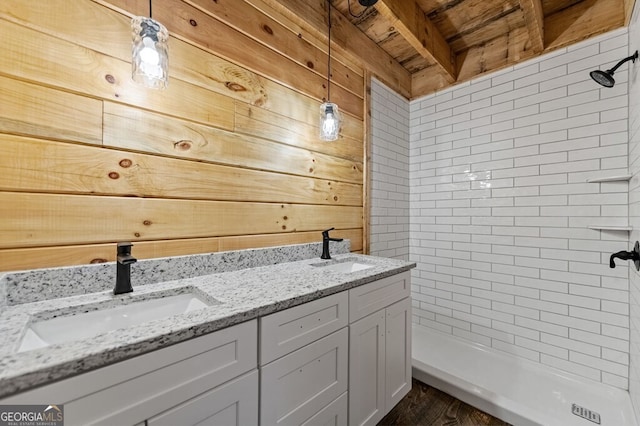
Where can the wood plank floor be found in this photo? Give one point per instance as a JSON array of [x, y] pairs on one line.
[[427, 406]]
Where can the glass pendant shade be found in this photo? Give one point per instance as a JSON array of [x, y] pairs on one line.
[[150, 57], [330, 121]]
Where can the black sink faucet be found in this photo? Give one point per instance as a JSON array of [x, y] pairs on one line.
[[325, 243], [123, 269]]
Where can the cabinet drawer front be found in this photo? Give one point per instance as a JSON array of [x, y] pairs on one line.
[[234, 403], [291, 329], [374, 296], [334, 414], [134, 390], [297, 386]]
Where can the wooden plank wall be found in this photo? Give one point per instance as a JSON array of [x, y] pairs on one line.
[[226, 158]]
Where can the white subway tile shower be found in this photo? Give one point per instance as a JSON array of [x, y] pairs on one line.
[[500, 209]]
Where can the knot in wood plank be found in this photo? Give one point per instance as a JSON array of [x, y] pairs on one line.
[[235, 87], [183, 145]]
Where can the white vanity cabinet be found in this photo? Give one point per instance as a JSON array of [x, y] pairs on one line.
[[343, 359], [211, 378], [316, 370], [380, 348], [304, 364]]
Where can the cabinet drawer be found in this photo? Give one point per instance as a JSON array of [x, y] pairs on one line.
[[234, 403], [134, 390], [291, 329], [297, 386], [334, 414], [371, 297]]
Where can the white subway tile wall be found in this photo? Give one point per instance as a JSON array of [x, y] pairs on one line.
[[634, 210], [389, 174], [500, 210]]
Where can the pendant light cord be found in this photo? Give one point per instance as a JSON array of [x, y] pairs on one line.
[[150, 10], [329, 60]]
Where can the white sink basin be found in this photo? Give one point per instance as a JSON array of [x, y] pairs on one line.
[[345, 267], [88, 324]]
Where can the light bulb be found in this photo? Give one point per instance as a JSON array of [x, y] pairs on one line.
[[329, 125], [149, 55], [329, 121]]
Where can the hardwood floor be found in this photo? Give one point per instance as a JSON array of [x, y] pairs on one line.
[[427, 406]]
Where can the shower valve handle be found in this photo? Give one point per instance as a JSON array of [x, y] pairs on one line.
[[627, 255]]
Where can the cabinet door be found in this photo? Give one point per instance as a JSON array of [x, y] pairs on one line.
[[297, 386], [234, 403], [367, 370], [398, 352]]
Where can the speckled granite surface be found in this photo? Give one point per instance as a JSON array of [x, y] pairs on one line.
[[45, 284], [236, 296]]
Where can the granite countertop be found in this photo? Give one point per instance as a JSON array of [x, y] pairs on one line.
[[235, 296]]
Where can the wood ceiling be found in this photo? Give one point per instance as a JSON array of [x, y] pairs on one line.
[[443, 42]]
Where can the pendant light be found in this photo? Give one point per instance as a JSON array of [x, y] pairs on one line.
[[330, 119], [150, 58], [364, 3]]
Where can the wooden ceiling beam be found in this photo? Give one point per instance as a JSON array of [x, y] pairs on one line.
[[582, 21], [534, 18], [412, 23], [311, 16]]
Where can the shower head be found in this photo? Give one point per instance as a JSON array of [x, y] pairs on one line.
[[605, 78]]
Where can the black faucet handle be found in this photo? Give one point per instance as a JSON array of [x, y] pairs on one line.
[[325, 233], [627, 255], [124, 248]]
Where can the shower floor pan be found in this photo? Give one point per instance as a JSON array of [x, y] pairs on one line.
[[513, 389]]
